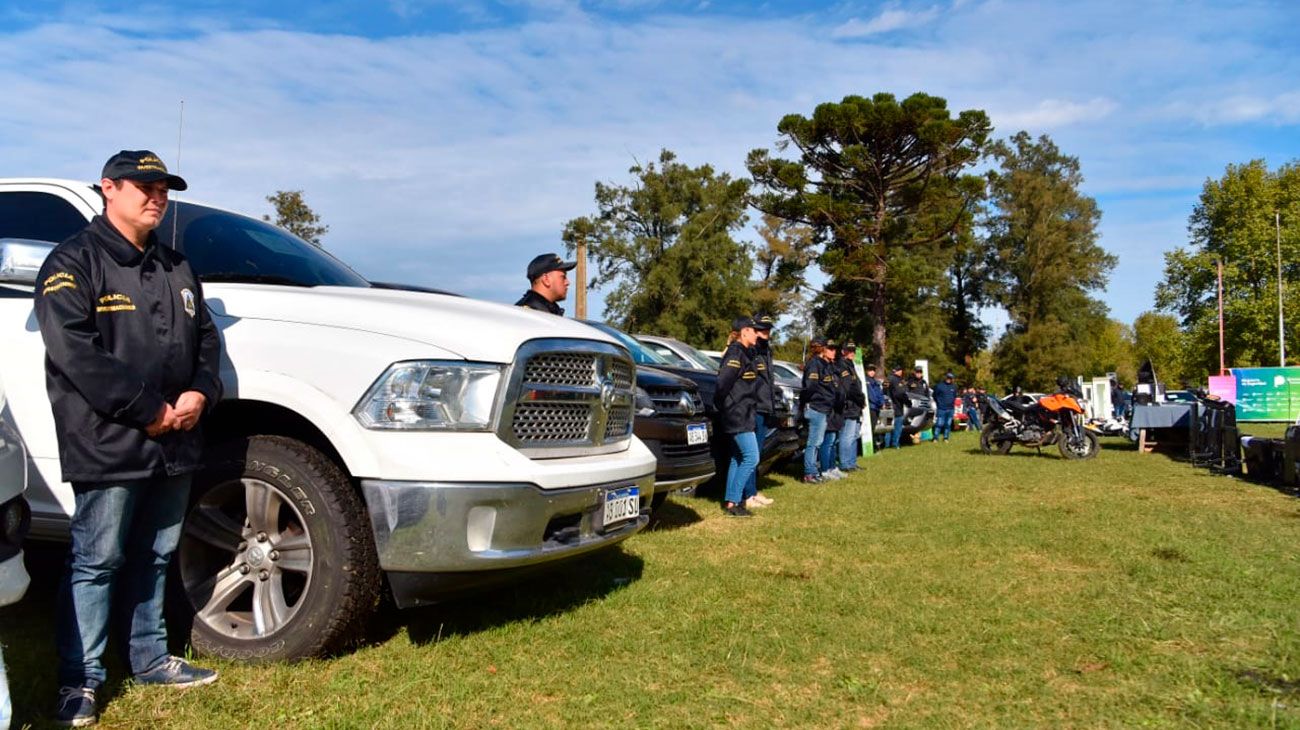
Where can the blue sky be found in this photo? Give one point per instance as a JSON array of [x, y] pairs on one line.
[[446, 143]]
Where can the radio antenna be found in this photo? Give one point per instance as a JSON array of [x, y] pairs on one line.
[[180, 128]]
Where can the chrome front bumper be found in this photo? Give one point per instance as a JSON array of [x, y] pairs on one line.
[[433, 537]]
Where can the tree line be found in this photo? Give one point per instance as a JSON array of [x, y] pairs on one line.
[[917, 217]]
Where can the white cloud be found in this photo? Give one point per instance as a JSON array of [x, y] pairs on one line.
[[451, 159], [1051, 114], [888, 20]]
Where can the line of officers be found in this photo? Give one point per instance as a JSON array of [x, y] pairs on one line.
[[832, 400]]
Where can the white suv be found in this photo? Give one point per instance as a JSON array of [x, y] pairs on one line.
[[14, 519], [365, 433]]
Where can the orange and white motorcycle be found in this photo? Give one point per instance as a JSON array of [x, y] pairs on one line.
[[1053, 419]]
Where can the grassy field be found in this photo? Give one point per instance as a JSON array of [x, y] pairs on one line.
[[937, 587]]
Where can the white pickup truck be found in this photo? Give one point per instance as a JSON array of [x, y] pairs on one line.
[[366, 435]]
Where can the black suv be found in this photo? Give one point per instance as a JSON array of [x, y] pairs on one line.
[[783, 435]]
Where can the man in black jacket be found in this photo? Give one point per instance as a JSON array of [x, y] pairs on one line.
[[855, 399], [818, 399], [898, 395], [548, 279], [131, 361]]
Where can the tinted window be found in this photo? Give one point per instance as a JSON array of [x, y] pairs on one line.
[[38, 216], [223, 246], [640, 354]]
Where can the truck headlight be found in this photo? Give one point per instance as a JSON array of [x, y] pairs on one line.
[[432, 395], [644, 406]]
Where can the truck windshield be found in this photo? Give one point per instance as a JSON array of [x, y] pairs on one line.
[[224, 246], [640, 353]]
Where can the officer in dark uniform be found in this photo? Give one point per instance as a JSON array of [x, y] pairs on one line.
[[835, 420], [131, 366], [897, 392], [855, 399], [548, 276], [766, 393], [818, 400], [736, 400]]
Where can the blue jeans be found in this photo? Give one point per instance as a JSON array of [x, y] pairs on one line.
[[942, 424], [123, 537], [744, 460], [816, 434], [827, 455], [849, 444], [760, 436], [895, 438], [973, 419]]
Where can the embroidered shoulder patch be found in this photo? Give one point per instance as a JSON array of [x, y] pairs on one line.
[[57, 281]]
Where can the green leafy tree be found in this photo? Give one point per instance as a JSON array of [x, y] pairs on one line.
[[1044, 262], [875, 179], [294, 215], [1158, 338], [783, 258], [664, 245], [1234, 222]]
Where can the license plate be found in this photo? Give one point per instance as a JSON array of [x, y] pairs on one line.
[[621, 505], [697, 433]]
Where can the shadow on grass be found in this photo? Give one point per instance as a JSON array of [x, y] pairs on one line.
[[550, 592], [673, 515], [27, 634]]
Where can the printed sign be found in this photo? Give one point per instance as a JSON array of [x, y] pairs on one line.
[[1267, 394]]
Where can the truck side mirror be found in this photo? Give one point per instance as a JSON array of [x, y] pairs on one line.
[[21, 259]]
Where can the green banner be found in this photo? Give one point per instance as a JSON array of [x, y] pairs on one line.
[[1267, 394]]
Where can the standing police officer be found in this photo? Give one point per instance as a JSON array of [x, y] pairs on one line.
[[548, 276], [130, 365], [855, 399], [766, 394], [818, 400]]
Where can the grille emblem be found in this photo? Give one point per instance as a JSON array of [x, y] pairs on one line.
[[687, 405], [607, 392]]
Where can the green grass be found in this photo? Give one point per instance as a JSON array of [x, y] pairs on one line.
[[938, 587]]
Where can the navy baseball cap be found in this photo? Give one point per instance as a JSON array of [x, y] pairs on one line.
[[141, 166], [740, 323], [763, 321], [546, 263]]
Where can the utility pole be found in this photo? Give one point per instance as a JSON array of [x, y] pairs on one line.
[[1281, 329], [580, 297], [1222, 369]]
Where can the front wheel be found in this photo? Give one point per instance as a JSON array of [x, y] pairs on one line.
[[1083, 446], [275, 561], [989, 443]]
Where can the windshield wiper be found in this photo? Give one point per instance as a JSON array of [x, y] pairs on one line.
[[238, 277]]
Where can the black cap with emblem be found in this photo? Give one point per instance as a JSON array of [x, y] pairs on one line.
[[141, 166], [546, 263]]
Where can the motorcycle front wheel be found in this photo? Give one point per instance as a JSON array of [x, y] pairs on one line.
[[989, 443], [1085, 446]]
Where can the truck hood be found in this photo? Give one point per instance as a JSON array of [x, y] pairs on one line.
[[471, 328]]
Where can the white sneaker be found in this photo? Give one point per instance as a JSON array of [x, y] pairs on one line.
[[753, 503], [833, 473]]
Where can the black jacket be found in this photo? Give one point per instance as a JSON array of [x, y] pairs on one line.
[[766, 389], [855, 399], [533, 300], [736, 397], [898, 394], [124, 331], [819, 388]]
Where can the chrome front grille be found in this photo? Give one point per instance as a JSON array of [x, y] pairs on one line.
[[552, 422], [675, 401], [561, 368], [569, 398]]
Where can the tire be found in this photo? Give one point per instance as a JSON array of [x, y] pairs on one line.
[[988, 445], [1087, 450], [296, 578]]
